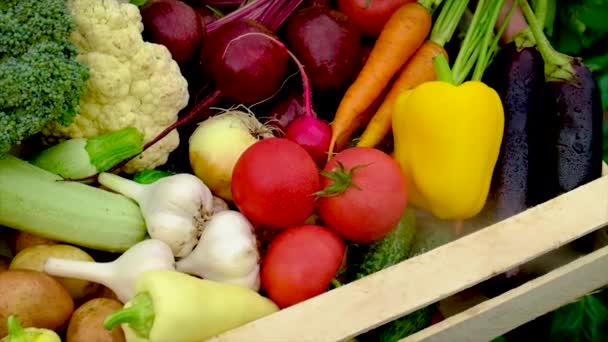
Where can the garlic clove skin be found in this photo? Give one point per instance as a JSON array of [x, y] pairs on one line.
[[226, 251], [150, 254], [219, 204]]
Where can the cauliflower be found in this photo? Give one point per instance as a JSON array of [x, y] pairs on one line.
[[132, 83]]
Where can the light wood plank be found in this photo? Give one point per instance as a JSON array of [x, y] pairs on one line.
[[391, 293], [501, 314]]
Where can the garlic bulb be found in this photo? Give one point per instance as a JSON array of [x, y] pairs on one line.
[[226, 252], [174, 207]]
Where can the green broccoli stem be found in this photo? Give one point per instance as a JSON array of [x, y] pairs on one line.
[[79, 157], [447, 21], [138, 313], [558, 66]]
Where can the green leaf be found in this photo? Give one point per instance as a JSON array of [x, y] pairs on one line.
[[583, 320]]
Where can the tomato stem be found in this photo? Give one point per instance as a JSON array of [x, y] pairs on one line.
[[342, 180]]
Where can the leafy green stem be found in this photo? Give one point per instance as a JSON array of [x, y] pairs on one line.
[[447, 21]]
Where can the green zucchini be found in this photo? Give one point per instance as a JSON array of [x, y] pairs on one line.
[[39, 202]]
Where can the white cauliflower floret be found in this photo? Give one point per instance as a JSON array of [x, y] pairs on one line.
[[133, 83]]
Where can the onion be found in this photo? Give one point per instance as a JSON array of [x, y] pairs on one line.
[[218, 142]]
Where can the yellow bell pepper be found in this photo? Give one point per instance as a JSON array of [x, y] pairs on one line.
[[447, 139], [447, 134]]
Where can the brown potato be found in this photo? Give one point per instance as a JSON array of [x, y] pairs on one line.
[[86, 324], [34, 257], [24, 240], [36, 298], [106, 292]]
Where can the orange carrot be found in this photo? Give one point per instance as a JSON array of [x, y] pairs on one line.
[[401, 36], [417, 70]]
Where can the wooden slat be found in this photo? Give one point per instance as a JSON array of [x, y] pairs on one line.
[[391, 293], [501, 314]]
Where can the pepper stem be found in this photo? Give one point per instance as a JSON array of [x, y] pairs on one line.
[[442, 69], [558, 66], [15, 330], [107, 150], [138, 314]]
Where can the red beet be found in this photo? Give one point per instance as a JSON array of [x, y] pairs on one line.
[[328, 44], [246, 68], [175, 25]]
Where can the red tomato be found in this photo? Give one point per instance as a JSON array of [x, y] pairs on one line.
[[370, 15], [274, 182], [300, 264], [374, 201]]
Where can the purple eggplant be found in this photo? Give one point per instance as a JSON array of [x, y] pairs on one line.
[[525, 174], [573, 97]]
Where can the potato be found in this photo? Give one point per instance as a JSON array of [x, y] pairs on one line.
[[34, 257], [86, 324], [36, 298], [24, 240], [106, 292]]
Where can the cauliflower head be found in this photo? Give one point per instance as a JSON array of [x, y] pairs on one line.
[[132, 83]]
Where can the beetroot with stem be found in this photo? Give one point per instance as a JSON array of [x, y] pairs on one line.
[[308, 131]]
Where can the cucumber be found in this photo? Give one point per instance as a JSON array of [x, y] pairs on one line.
[[390, 250], [403, 242]]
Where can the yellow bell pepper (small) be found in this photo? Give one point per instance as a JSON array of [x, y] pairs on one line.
[[16, 333], [171, 306], [447, 140]]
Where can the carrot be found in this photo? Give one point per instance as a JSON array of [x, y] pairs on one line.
[[401, 36], [417, 70]]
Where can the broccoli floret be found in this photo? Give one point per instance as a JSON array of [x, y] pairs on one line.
[[40, 79]]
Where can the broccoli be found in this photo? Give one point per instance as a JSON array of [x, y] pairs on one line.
[[40, 78]]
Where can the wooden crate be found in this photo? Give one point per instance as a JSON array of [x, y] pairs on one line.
[[447, 271]]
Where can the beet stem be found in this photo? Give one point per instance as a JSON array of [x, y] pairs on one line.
[[195, 113], [305, 80]]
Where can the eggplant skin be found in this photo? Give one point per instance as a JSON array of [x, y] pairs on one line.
[[525, 173], [579, 143]]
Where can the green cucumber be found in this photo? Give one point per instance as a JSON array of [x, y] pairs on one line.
[[390, 250], [403, 242]]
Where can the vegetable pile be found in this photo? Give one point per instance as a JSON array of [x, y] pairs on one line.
[[173, 169]]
